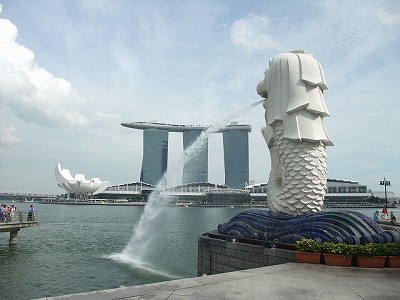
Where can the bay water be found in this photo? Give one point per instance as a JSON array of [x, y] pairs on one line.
[[73, 248]]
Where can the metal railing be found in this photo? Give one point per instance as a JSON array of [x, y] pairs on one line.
[[17, 217]]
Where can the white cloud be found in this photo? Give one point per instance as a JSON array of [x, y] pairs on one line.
[[8, 136], [390, 18], [106, 118], [251, 32], [127, 64], [31, 92], [18, 56], [75, 118]]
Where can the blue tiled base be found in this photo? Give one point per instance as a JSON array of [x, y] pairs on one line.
[[338, 226]]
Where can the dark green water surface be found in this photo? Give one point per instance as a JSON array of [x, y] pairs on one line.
[[68, 251]]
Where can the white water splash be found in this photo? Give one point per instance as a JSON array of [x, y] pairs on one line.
[[138, 263], [134, 252]]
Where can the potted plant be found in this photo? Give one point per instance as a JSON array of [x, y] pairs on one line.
[[337, 254], [370, 255], [308, 251], [393, 255]]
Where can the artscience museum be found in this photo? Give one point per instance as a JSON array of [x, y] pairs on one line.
[[79, 185]]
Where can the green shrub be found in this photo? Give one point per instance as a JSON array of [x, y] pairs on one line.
[[308, 245], [338, 248], [371, 249], [393, 249]]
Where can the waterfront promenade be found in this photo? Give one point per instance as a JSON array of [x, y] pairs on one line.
[[291, 281]]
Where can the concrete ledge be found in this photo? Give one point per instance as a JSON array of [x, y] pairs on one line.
[[15, 226], [219, 256]]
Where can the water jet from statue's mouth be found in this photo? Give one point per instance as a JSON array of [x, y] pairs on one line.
[[137, 250]]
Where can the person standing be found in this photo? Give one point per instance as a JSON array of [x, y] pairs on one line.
[[31, 213], [12, 211], [384, 215], [392, 218], [2, 213], [376, 216]]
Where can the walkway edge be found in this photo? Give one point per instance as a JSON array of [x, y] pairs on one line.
[[289, 281]]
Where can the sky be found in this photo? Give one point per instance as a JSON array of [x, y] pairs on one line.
[[72, 71]]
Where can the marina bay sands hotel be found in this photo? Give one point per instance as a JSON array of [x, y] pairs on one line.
[[155, 152]]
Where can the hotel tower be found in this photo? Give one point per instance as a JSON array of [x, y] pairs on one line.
[[155, 152]]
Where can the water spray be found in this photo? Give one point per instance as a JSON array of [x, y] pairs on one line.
[[134, 252]]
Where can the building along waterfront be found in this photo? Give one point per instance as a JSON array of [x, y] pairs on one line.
[[341, 193]]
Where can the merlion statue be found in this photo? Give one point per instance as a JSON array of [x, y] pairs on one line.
[[295, 133], [296, 137]]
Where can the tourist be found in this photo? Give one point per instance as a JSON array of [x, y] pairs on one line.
[[8, 215], [392, 218], [13, 210], [384, 215], [2, 213], [376, 216], [31, 213]]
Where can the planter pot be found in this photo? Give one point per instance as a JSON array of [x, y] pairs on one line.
[[393, 261], [308, 257], [337, 260], [371, 261]]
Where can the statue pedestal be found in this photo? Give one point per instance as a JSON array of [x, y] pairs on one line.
[[219, 254], [350, 227]]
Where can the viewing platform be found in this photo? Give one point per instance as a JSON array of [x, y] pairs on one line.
[[14, 224]]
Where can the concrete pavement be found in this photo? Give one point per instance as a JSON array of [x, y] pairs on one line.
[[291, 281]]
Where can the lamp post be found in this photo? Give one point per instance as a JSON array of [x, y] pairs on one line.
[[385, 183]]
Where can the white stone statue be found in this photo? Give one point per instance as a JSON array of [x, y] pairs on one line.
[[295, 133]]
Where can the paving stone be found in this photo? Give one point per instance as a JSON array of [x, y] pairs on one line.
[[177, 284], [124, 292], [97, 295]]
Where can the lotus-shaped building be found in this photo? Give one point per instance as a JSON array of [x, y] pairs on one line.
[[78, 185]]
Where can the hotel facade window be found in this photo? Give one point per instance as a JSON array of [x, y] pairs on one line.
[[236, 158], [155, 155]]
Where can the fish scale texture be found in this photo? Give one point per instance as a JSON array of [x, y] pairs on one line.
[[298, 185]]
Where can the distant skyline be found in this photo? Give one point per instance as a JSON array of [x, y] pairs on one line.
[[72, 71]]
